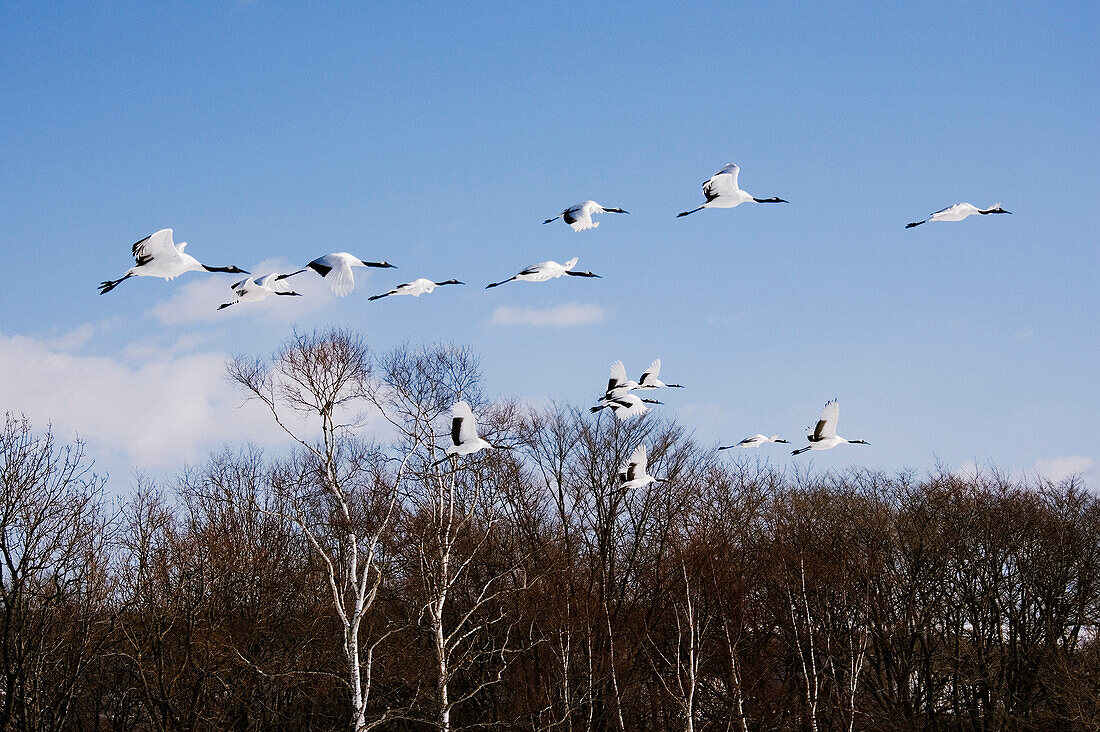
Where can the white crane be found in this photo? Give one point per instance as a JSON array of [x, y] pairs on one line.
[[617, 384], [625, 406], [958, 212], [336, 269], [256, 289], [754, 441], [721, 191], [464, 437], [823, 435], [580, 216], [416, 288], [649, 379], [545, 271], [157, 256], [633, 475]]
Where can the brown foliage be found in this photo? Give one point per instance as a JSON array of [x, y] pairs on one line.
[[523, 588]]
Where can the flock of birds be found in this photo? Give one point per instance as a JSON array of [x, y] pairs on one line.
[[157, 255]]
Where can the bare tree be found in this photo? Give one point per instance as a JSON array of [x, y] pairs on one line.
[[341, 493], [55, 580], [459, 534]]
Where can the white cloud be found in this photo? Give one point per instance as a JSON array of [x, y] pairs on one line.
[[1025, 333], [73, 340], [968, 470], [1064, 466], [559, 316], [157, 412], [148, 349]]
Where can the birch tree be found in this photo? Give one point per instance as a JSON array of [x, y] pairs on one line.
[[457, 536], [343, 491]]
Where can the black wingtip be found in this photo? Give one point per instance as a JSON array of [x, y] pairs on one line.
[[915, 223]]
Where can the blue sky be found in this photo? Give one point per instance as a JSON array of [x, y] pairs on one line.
[[439, 136]]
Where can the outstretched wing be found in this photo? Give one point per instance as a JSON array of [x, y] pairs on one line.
[[722, 183], [826, 426], [651, 373], [628, 406], [618, 375], [533, 269], [638, 462], [463, 424], [337, 272], [155, 246]]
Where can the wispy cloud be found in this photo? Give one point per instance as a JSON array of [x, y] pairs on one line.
[[1054, 469], [72, 340], [968, 470], [197, 300], [560, 316], [1064, 466], [156, 412], [1025, 333]]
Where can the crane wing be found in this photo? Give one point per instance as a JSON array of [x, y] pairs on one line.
[[463, 424], [155, 246], [532, 269], [722, 183], [826, 426], [337, 272], [638, 462], [618, 375], [651, 373], [573, 213], [628, 406]]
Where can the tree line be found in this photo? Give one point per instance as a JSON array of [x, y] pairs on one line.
[[363, 580]]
